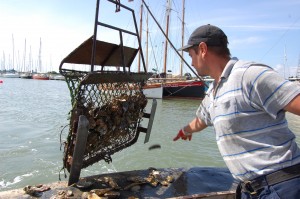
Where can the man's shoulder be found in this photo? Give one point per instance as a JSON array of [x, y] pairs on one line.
[[247, 64]]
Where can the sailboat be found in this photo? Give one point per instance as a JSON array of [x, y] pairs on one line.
[[40, 76], [25, 74], [166, 85], [297, 77], [12, 73]]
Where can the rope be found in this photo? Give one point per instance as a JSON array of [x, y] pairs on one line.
[[176, 91]]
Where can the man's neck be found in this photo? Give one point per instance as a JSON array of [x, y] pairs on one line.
[[218, 69]]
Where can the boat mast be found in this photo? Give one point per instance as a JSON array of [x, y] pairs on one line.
[[168, 11], [298, 70], [147, 44], [18, 62], [174, 48], [24, 59], [13, 55], [285, 61], [40, 54], [3, 61], [182, 36], [141, 25], [30, 61]]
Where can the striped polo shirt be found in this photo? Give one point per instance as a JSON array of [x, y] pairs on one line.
[[246, 111]]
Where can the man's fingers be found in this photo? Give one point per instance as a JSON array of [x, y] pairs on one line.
[[182, 136], [176, 138]]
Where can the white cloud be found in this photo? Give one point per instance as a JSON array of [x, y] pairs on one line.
[[252, 40]]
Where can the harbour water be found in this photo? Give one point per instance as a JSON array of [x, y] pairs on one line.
[[33, 114]]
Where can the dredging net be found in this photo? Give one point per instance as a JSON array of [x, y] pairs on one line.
[[113, 103]]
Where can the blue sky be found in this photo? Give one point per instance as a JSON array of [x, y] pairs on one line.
[[264, 31]]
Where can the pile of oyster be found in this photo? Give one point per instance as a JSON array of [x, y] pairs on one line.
[[111, 125], [113, 190], [114, 121], [120, 113]]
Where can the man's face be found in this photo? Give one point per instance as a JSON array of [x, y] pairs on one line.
[[196, 53]]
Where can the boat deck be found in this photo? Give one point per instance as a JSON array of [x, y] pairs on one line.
[[196, 182]]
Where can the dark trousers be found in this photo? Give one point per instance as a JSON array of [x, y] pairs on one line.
[[284, 190]]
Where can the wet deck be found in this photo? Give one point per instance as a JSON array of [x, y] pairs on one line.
[[197, 182]]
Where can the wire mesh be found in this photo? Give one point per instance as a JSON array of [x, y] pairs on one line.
[[113, 103]]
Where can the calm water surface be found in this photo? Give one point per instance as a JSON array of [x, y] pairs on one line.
[[34, 112]]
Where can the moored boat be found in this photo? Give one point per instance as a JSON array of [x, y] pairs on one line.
[[26, 76], [153, 90], [11, 75], [40, 76], [184, 89], [167, 87], [56, 77], [181, 86]]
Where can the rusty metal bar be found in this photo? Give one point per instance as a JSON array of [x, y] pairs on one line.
[[81, 139], [136, 29], [116, 28], [151, 119], [95, 36], [122, 51]]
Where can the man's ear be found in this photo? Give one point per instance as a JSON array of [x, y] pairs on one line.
[[202, 48]]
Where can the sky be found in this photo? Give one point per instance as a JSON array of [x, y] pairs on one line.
[[264, 31]]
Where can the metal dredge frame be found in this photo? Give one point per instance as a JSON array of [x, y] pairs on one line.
[[112, 101]]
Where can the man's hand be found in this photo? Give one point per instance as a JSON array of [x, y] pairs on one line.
[[183, 135]]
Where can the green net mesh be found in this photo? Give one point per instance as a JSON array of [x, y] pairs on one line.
[[113, 103]]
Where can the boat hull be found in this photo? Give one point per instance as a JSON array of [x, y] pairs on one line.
[[26, 76], [11, 75], [40, 77], [57, 77], [181, 89], [187, 89], [153, 91]]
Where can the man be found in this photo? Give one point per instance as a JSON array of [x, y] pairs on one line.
[[246, 105]]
